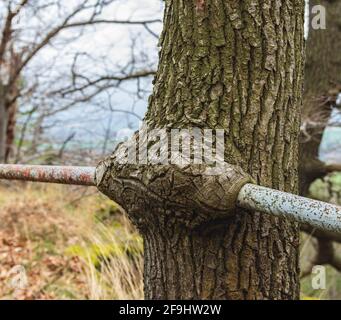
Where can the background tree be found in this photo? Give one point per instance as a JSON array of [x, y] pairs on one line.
[[236, 66], [322, 86]]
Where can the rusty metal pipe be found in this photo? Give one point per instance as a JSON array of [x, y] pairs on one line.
[[317, 214], [83, 176]]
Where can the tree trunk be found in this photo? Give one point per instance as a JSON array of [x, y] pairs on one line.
[[322, 83], [7, 128], [10, 132], [237, 66], [3, 127]]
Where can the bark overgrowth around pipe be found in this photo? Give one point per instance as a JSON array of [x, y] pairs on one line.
[[172, 195]]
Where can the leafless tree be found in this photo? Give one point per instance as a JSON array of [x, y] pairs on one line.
[[27, 28]]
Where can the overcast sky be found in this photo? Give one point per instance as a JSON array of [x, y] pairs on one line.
[[113, 42]]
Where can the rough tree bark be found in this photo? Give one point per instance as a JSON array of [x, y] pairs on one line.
[[238, 66]]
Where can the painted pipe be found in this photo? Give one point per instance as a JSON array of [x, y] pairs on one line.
[[320, 215], [83, 176]]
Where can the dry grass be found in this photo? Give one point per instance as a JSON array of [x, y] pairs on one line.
[[72, 242]]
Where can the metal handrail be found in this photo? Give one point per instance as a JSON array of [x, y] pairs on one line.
[[315, 213], [50, 174]]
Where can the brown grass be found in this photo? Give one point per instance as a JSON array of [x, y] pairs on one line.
[[72, 242]]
